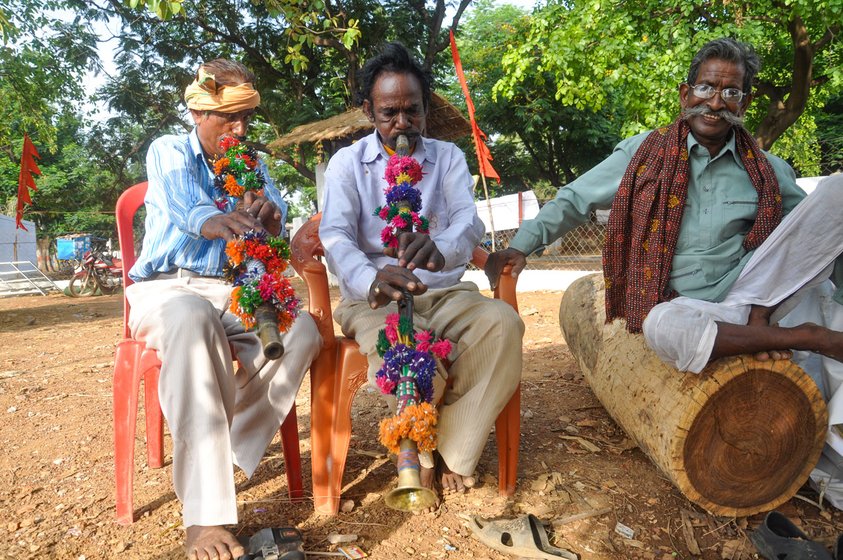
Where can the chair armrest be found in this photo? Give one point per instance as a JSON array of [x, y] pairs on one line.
[[505, 289]]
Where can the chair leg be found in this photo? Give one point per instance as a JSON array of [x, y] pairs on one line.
[[154, 418], [126, 384], [321, 421], [350, 381], [292, 455], [508, 431]]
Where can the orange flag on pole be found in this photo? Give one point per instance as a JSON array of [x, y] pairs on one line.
[[484, 156], [26, 181]]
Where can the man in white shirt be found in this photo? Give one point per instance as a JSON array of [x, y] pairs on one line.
[[486, 356]]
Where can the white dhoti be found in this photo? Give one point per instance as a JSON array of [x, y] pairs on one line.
[[486, 361], [216, 415], [790, 269], [798, 256]]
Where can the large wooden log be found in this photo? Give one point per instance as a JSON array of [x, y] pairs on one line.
[[737, 439]]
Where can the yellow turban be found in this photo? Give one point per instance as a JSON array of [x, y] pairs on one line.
[[205, 95]]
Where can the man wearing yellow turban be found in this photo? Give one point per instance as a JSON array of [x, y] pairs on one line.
[[179, 307]]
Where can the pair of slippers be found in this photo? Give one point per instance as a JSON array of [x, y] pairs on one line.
[[779, 539], [524, 536], [276, 543]]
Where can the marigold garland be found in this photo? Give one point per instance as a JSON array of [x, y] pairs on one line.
[[403, 200], [417, 422], [237, 171], [257, 260], [407, 372]]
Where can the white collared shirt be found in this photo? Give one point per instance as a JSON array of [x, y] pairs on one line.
[[351, 233]]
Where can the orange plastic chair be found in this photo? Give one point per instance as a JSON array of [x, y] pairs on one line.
[[340, 370], [133, 361]]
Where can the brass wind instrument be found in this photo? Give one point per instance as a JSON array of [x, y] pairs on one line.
[[409, 495], [266, 325]]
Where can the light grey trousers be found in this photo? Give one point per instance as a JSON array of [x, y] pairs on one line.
[[486, 361], [216, 415]]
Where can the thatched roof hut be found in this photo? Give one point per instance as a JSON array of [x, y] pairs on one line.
[[444, 122]]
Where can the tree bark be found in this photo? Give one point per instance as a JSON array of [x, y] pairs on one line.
[[737, 439], [781, 112], [45, 260]]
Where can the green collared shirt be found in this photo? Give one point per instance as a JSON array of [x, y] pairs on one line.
[[720, 210]]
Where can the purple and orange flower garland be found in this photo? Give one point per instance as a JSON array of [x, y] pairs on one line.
[[407, 372], [408, 357], [403, 200], [257, 260]]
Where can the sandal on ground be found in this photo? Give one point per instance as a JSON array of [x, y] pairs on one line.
[[281, 543], [524, 536], [779, 539]]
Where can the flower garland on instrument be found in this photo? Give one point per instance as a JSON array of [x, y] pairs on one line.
[[408, 356], [236, 171], [403, 200], [257, 260], [407, 372]]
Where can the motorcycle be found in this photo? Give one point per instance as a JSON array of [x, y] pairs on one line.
[[97, 271]]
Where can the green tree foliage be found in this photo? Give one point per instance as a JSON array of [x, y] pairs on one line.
[[42, 61], [305, 54], [597, 51], [830, 134], [75, 193], [536, 138]]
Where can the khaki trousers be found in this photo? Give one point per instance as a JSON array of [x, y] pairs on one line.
[[486, 361], [216, 415]]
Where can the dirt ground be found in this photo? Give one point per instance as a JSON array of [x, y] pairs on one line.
[[577, 469]]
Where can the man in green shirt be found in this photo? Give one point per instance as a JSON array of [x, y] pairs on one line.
[[693, 204]]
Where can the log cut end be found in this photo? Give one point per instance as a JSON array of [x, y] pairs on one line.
[[737, 439], [754, 440]]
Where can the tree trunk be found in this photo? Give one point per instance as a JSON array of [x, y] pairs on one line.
[[737, 439], [45, 260], [781, 112]]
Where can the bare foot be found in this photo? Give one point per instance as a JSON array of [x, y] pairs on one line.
[[427, 478], [451, 481], [209, 543]]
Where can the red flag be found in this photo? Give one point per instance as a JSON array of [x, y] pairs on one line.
[[25, 180], [484, 156]]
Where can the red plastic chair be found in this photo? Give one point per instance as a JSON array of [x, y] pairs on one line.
[[340, 370], [133, 361]]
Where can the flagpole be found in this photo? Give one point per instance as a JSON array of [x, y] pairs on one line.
[[483, 156], [489, 206]]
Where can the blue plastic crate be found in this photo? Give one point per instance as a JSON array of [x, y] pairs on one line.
[[73, 247]]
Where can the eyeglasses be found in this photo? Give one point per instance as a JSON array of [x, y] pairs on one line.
[[729, 95], [245, 115]]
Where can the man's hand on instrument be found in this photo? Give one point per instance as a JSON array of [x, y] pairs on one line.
[[497, 261], [228, 226], [417, 250], [389, 282], [264, 210]]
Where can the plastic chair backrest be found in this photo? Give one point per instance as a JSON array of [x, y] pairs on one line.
[[127, 206]]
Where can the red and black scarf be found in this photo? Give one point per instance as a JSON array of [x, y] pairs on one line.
[[647, 211]]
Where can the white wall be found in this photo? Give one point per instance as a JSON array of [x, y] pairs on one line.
[[17, 244]]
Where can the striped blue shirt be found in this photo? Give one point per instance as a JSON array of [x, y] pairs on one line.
[[180, 198]]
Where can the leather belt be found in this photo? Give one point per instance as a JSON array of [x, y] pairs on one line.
[[179, 273]]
